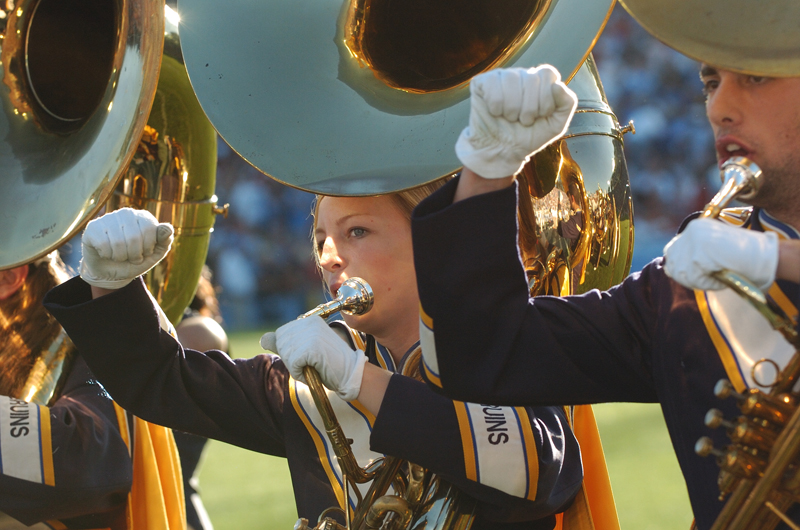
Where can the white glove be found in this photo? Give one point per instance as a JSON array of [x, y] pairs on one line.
[[311, 342], [707, 246], [122, 245], [515, 112]]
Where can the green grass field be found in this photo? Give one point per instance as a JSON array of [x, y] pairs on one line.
[[243, 490]]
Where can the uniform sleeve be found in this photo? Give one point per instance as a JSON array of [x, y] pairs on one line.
[[519, 463], [64, 461], [485, 340], [237, 401]]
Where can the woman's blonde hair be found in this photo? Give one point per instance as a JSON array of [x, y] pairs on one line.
[[405, 201]]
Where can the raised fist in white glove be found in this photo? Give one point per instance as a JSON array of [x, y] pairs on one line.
[[122, 245], [311, 342], [707, 246], [515, 112]]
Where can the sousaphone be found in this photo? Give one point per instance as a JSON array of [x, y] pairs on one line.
[[77, 79], [362, 97], [756, 38]]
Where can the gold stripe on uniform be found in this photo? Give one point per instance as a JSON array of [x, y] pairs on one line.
[[318, 443], [725, 353], [783, 301], [433, 378], [47, 446], [428, 321], [466, 440], [530, 451], [363, 410]]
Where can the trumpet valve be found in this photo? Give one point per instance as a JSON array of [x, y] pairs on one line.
[[745, 464], [734, 460], [724, 389], [751, 434], [775, 409], [714, 419], [705, 446]]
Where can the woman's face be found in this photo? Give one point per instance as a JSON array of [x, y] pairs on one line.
[[369, 238]]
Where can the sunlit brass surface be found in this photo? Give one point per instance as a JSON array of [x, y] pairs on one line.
[[422, 502], [77, 79], [36, 354], [364, 97], [173, 175], [758, 38], [759, 469], [580, 200], [44, 378]]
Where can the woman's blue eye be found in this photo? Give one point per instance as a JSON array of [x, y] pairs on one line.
[[357, 232]]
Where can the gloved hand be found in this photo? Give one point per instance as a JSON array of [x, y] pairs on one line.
[[122, 245], [707, 246], [311, 342], [515, 112]]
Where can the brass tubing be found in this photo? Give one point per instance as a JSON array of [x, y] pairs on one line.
[[785, 451], [378, 488], [732, 505], [388, 503], [340, 443], [789, 374], [782, 516]]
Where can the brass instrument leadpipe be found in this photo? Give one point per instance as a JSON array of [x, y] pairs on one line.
[[354, 297]]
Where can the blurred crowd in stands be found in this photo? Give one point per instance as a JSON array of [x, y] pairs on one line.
[[671, 160], [261, 254]]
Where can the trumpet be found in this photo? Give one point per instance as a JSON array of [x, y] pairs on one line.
[[759, 470], [423, 501]]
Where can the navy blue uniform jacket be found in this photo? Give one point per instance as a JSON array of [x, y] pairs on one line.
[[253, 403], [641, 341], [66, 462]]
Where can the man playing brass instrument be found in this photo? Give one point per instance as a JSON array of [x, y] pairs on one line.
[[649, 339]]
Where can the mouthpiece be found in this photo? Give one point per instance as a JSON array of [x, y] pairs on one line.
[[355, 297], [741, 179]]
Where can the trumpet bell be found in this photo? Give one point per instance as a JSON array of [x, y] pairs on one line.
[[739, 35], [365, 97], [77, 79]]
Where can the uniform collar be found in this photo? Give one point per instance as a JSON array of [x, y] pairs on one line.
[[767, 223], [385, 357]]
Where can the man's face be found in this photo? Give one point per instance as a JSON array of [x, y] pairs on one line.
[[757, 117]]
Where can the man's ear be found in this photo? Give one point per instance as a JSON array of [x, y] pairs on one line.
[[11, 280]]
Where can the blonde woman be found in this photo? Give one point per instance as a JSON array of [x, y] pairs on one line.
[[521, 465]]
